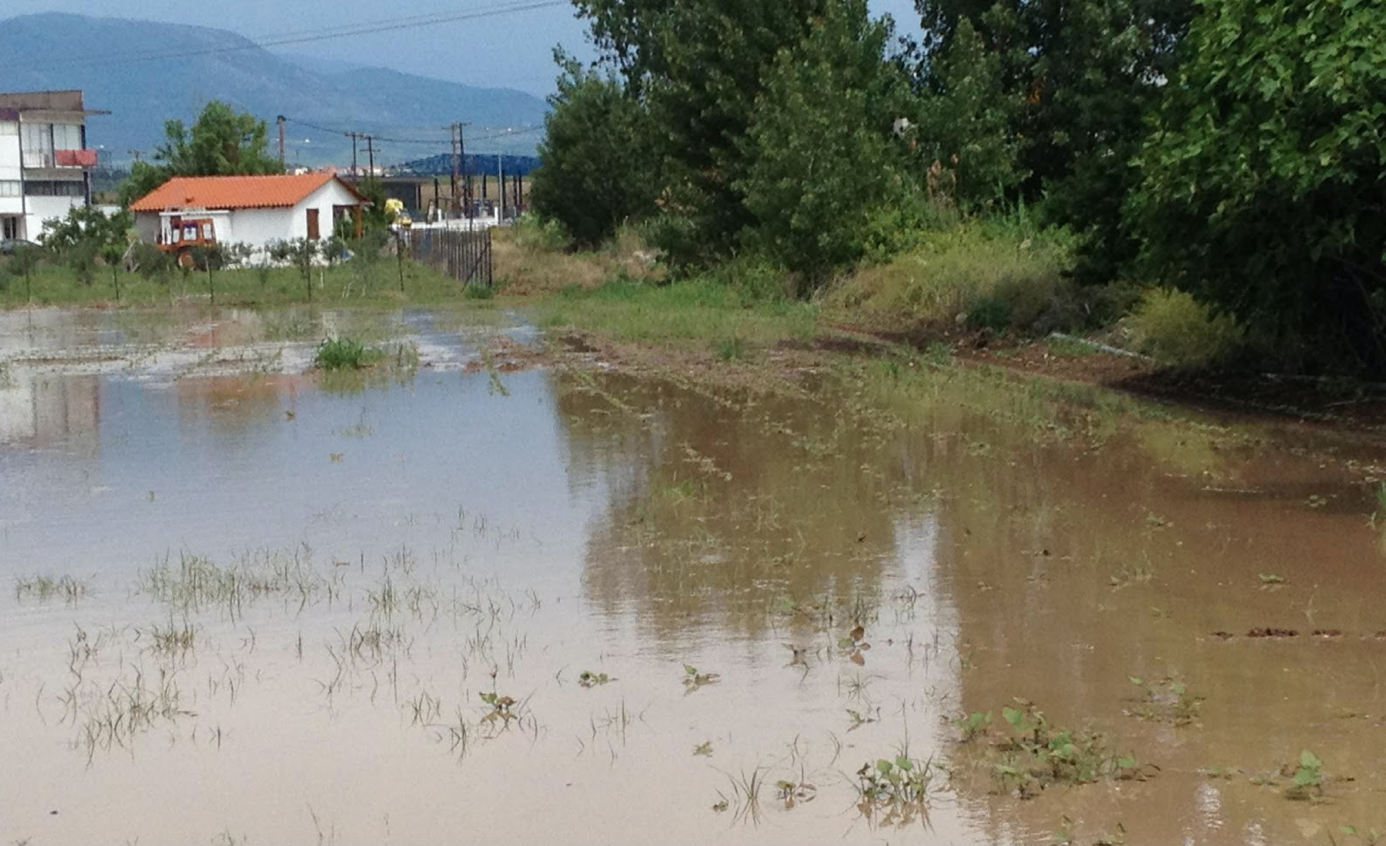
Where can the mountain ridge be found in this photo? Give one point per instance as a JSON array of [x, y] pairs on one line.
[[162, 71]]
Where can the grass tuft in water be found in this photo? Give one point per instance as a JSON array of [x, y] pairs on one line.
[[44, 588], [346, 354]]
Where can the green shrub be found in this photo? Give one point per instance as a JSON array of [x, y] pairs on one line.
[[531, 231], [1178, 330], [346, 354], [477, 291], [149, 261]]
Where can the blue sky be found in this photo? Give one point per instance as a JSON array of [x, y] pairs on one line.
[[511, 50]]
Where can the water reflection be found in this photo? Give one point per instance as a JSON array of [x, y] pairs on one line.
[[453, 537]]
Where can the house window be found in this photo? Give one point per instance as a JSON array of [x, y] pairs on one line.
[[8, 129], [9, 187], [54, 188], [9, 228]]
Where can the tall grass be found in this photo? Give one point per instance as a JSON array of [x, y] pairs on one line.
[[993, 273]]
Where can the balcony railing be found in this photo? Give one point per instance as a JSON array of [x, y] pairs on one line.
[[60, 159]]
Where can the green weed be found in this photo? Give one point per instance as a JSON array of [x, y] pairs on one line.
[[894, 791], [346, 354], [694, 680]]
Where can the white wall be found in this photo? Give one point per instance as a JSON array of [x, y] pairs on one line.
[[9, 166], [44, 208], [261, 227]]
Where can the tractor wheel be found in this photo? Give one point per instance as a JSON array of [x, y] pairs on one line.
[[185, 259]]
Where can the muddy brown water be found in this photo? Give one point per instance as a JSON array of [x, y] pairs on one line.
[[293, 598]]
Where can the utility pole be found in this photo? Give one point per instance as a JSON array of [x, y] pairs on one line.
[[466, 171], [355, 171], [136, 153], [455, 136], [370, 152], [500, 186], [280, 120]]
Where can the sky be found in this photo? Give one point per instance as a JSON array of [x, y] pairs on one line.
[[509, 50]]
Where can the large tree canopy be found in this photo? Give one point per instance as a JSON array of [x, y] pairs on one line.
[[222, 142], [1263, 185]]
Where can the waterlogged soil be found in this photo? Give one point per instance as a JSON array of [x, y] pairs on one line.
[[495, 591]]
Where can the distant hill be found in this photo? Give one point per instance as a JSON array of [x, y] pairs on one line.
[[101, 56]]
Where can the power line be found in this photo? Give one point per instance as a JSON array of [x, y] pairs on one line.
[[344, 31], [345, 133]]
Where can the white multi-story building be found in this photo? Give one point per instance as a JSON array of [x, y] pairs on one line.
[[45, 166]]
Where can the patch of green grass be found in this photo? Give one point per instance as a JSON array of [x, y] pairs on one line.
[[694, 310], [346, 354]]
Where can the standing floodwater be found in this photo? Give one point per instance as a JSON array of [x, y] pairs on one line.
[[453, 601]]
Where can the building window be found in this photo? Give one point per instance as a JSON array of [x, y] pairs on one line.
[[67, 136], [54, 188], [9, 187], [36, 144], [8, 128]]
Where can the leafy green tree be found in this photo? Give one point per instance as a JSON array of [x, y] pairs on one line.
[[698, 68], [820, 153], [1085, 75], [221, 142], [1262, 181], [595, 163], [966, 136]]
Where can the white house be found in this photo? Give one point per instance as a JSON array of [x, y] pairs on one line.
[[253, 210], [45, 166]]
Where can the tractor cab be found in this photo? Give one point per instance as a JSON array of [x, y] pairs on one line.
[[180, 234]]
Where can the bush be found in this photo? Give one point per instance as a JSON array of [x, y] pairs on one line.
[[533, 232], [149, 261], [1179, 331]]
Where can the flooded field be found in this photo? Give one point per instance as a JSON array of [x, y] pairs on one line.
[[458, 601]]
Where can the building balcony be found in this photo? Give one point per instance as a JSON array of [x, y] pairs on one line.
[[60, 160]]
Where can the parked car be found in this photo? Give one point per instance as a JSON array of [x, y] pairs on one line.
[[9, 245]]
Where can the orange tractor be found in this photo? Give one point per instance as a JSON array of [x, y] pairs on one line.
[[182, 234]]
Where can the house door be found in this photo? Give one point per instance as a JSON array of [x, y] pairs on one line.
[[9, 228], [313, 232]]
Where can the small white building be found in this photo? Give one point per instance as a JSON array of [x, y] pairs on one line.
[[45, 166], [253, 210]]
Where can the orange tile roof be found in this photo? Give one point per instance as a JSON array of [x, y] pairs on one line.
[[234, 192]]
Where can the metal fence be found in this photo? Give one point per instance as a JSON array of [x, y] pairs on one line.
[[463, 255]]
